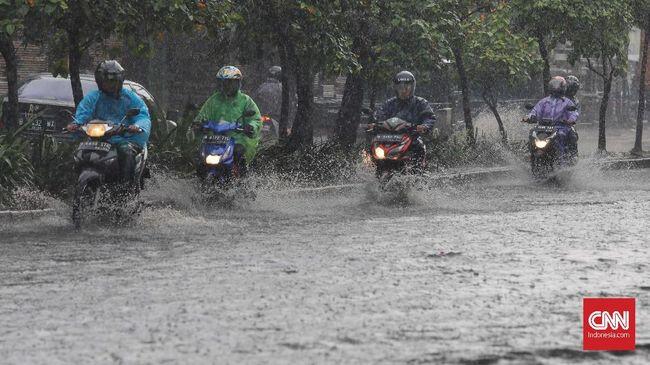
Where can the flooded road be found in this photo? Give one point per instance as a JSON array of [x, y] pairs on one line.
[[483, 272]]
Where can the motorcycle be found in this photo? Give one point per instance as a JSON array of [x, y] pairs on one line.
[[100, 176], [269, 134], [390, 148], [216, 161], [543, 147]]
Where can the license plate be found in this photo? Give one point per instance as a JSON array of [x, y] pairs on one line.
[[217, 139], [545, 128], [39, 124], [388, 138], [95, 146]]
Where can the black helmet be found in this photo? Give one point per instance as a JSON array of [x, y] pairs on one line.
[[109, 77], [572, 86], [404, 85], [557, 86]]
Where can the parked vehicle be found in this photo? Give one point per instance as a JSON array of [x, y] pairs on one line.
[[48, 102]]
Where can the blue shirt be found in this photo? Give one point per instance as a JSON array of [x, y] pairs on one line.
[[99, 105]]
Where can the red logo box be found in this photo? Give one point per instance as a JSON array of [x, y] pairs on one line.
[[608, 324]]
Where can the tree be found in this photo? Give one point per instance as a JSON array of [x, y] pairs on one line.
[[600, 35], [358, 16], [641, 11], [381, 48], [17, 17], [74, 29], [498, 58], [454, 19], [309, 38], [545, 21]]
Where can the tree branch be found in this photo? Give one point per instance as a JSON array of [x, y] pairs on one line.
[[478, 9], [593, 69]]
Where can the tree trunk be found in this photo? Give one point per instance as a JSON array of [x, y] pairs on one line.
[[493, 105], [607, 88], [464, 87], [349, 115], [302, 131], [638, 146], [74, 60], [285, 79], [11, 69], [543, 52], [372, 96]]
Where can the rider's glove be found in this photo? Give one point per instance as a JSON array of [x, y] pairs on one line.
[[422, 129], [133, 129], [248, 130], [72, 127], [525, 119]]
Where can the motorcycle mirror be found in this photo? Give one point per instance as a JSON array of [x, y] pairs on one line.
[[132, 112], [528, 106], [366, 111], [249, 113], [171, 125]]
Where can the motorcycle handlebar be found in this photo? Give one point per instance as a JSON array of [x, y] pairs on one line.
[[121, 130], [372, 127]]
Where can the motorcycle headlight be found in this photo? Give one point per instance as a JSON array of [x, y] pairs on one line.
[[96, 130], [213, 159], [541, 143], [379, 153]]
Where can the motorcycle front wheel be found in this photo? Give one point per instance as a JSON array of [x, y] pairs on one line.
[[86, 198]]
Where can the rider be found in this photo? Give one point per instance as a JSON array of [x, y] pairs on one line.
[[269, 100], [555, 107], [573, 85], [413, 109], [110, 103], [228, 104]]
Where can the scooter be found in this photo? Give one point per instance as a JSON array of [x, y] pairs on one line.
[[390, 148], [96, 162], [543, 146], [216, 163]]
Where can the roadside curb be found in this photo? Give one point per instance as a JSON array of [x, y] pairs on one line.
[[16, 214], [625, 164]]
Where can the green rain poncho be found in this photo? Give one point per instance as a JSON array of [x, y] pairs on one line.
[[219, 108]]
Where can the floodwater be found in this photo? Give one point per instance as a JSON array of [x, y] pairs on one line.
[[486, 272]]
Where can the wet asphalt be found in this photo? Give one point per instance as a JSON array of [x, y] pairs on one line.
[[486, 272]]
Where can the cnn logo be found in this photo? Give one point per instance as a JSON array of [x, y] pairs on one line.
[[608, 324], [600, 320]]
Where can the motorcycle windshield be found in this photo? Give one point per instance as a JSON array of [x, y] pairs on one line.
[[221, 127]]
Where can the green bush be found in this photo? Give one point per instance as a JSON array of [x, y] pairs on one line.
[[175, 150], [54, 167], [487, 151], [323, 162], [15, 167]]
